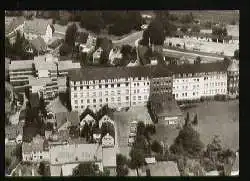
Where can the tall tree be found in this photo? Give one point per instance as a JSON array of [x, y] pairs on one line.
[[137, 159], [86, 169], [237, 54], [70, 36], [187, 143], [156, 147], [195, 121], [121, 165]]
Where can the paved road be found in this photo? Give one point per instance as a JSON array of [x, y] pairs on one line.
[[130, 39]]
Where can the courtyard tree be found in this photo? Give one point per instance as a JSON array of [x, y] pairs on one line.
[[137, 159], [187, 143], [121, 165], [237, 54], [86, 169], [140, 128], [195, 121], [156, 147]]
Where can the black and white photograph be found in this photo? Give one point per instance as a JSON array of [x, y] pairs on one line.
[[121, 93]]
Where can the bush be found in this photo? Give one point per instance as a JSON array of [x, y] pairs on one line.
[[65, 50]]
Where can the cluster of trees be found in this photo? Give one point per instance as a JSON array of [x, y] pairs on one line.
[[121, 165], [18, 49], [219, 31]]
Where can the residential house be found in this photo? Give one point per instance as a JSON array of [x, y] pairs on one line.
[[108, 141], [88, 119], [97, 55], [17, 24], [62, 155], [14, 133], [164, 168], [105, 119], [167, 111], [38, 27], [115, 56], [35, 151], [109, 159]]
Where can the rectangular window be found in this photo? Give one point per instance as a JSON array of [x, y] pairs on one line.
[[147, 83], [75, 88], [112, 99], [100, 93], [119, 99], [76, 107], [134, 97], [185, 94], [107, 99], [134, 91], [112, 92], [75, 95], [81, 87], [118, 85], [106, 93], [134, 84], [100, 100], [81, 94], [100, 86], [127, 98], [106, 85], [138, 91], [138, 84], [88, 101], [126, 84], [81, 101], [139, 98], [94, 94], [87, 87], [112, 85], [76, 101], [118, 92], [127, 91], [81, 107], [134, 103], [193, 93], [94, 100]]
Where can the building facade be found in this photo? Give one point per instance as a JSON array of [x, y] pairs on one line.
[[117, 87], [192, 82]]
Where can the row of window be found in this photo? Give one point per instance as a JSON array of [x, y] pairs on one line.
[[166, 89], [100, 105], [212, 84], [101, 100]]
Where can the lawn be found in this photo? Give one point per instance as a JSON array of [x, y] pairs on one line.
[[215, 118]]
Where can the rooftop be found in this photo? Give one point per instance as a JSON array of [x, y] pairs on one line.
[[61, 118], [165, 168], [73, 153], [37, 26], [73, 117], [45, 65], [109, 157], [198, 68], [33, 81], [20, 64], [34, 146], [68, 64], [164, 106]]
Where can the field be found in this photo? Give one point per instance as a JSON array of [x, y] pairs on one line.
[[226, 16], [215, 118]]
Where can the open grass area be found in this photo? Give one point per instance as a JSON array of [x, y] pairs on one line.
[[223, 16], [214, 118]]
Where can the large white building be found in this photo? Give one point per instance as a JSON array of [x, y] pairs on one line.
[[115, 86], [191, 82]]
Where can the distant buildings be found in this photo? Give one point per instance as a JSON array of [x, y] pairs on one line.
[[233, 78]]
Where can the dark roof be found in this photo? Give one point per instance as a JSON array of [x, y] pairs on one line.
[[61, 118], [96, 73], [163, 106], [73, 117], [34, 100], [198, 68]]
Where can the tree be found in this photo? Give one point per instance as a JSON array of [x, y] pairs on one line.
[[41, 169], [219, 31], [187, 119], [184, 28], [227, 61], [197, 60], [187, 143], [92, 20], [195, 121], [86, 169], [121, 165], [140, 128], [156, 147], [155, 32], [65, 50], [187, 18], [137, 159], [237, 54], [70, 36], [106, 128], [74, 131], [196, 29]]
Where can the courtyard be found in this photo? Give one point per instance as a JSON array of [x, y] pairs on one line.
[[214, 118]]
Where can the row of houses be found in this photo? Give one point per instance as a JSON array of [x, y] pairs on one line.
[[133, 86]]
